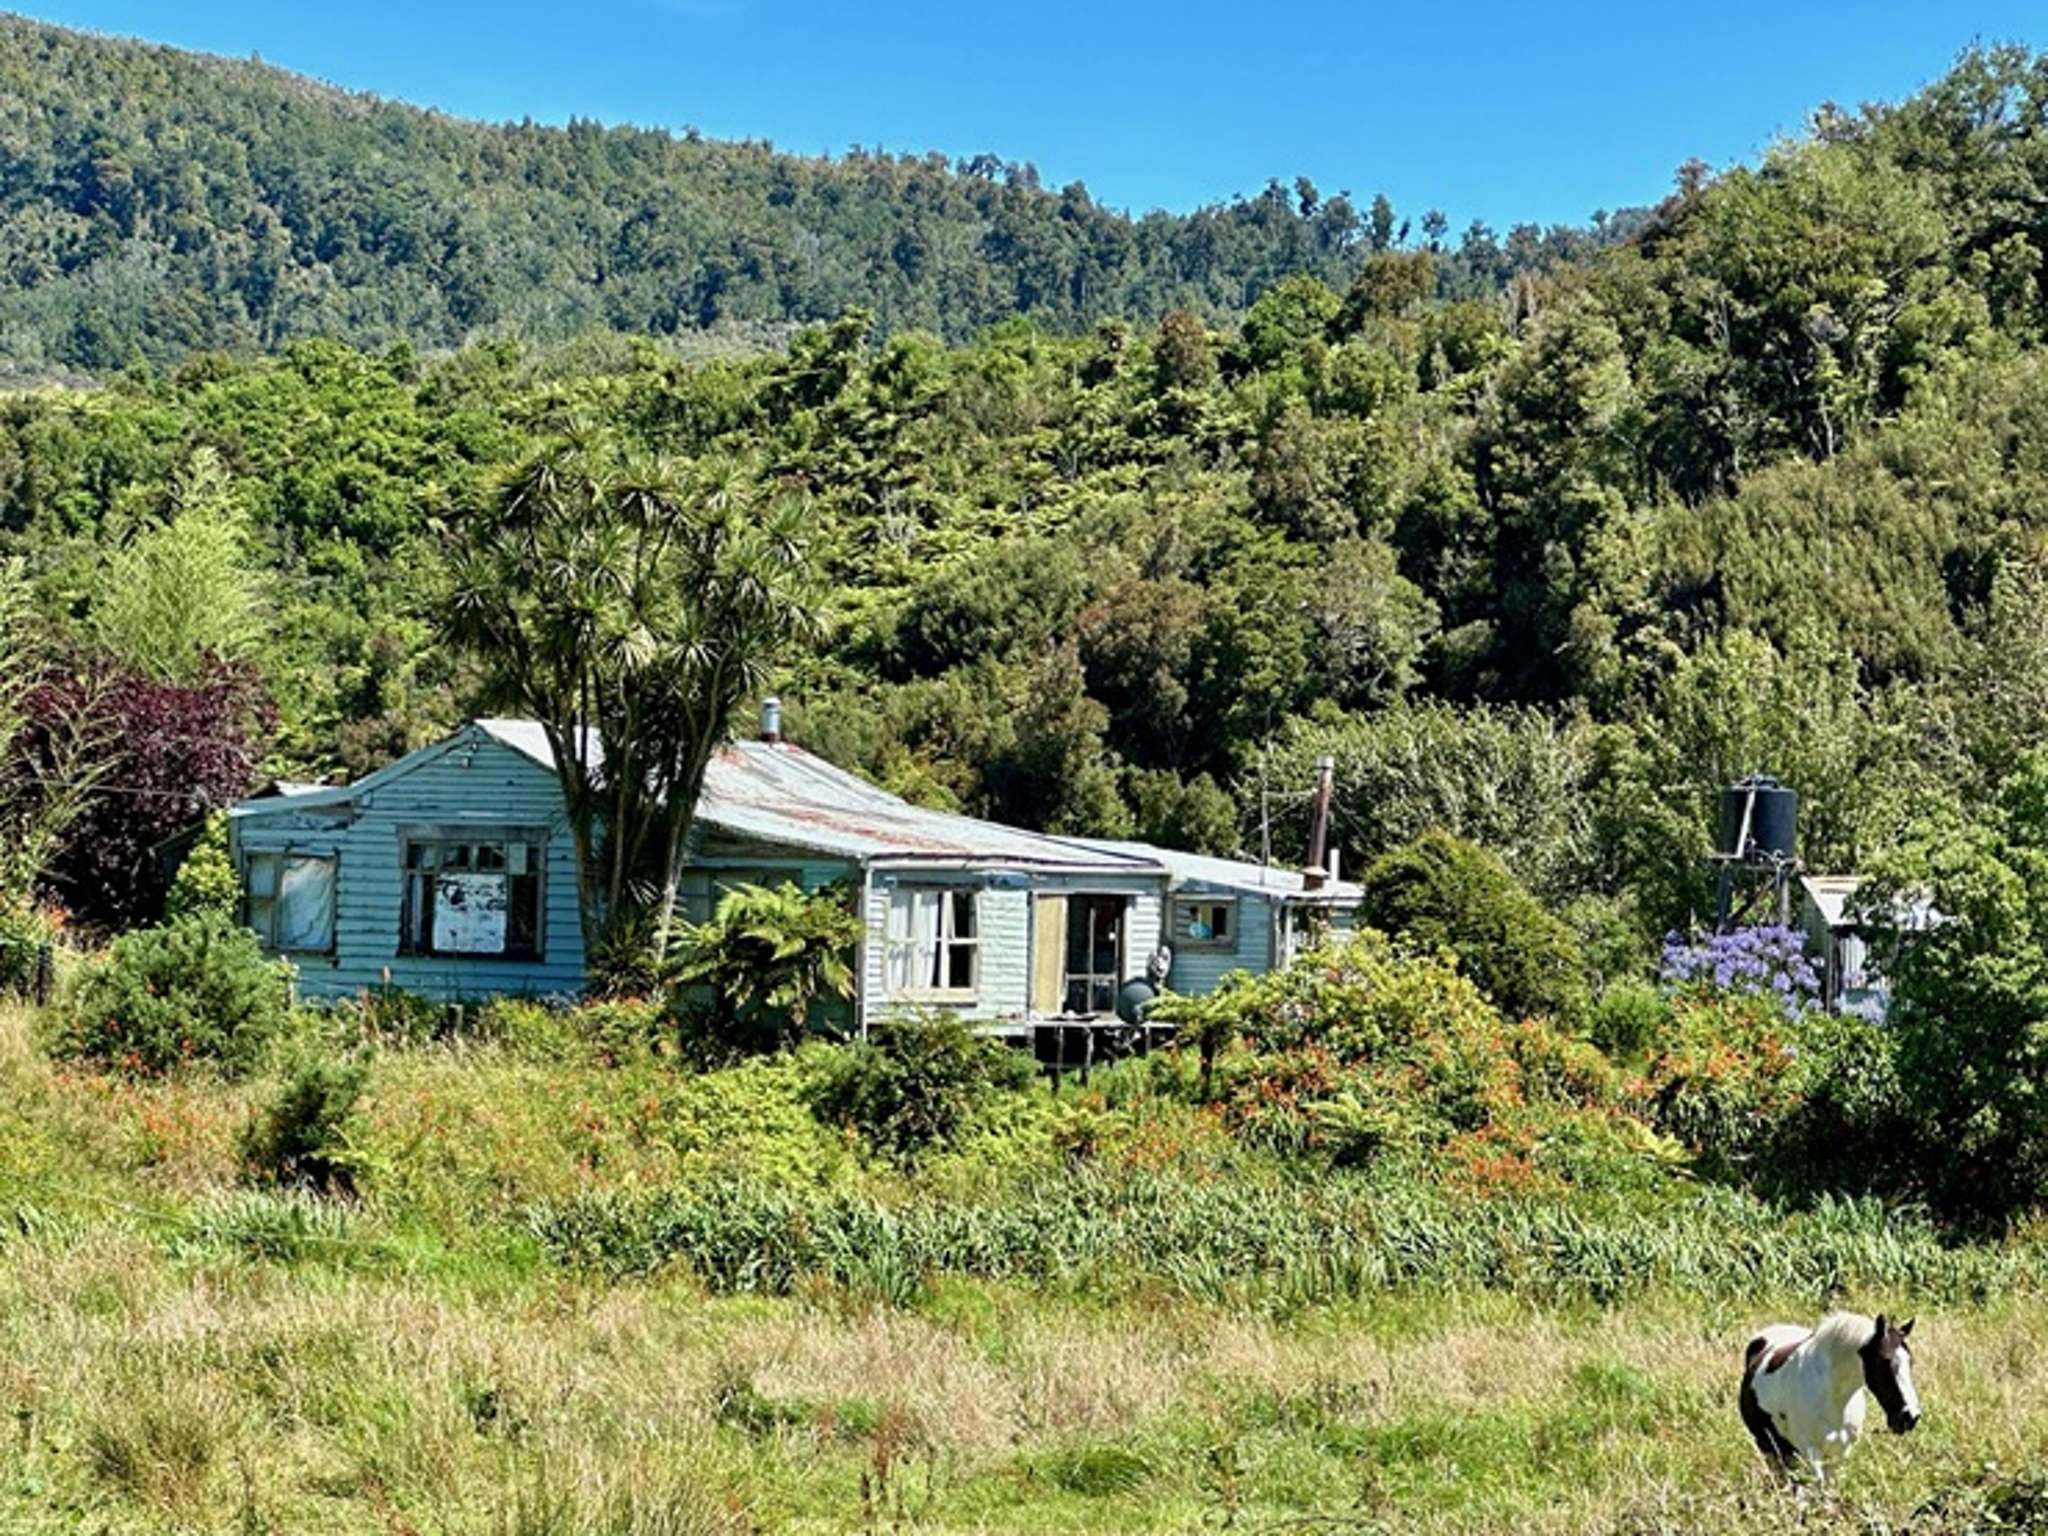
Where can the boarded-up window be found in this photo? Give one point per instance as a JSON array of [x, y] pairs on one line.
[[471, 896], [291, 901], [934, 943]]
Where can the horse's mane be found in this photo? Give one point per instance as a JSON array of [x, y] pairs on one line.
[[1844, 1331]]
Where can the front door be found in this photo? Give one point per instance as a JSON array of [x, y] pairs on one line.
[[1095, 952]]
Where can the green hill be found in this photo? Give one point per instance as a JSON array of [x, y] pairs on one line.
[[155, 202]]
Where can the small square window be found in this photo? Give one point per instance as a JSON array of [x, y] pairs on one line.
[[1204, 924]]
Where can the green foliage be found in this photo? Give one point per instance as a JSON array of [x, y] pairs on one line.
[[1441, 892], [630, 603], [197, 991], [1359, 1052], [24, 932], [1970, 995], [1628, 1019], [1251, 1243], [1725, 1078], [1516, 781], [205, 882], [182, 591], [301, 1138], [765, 967], [284, 209], [914, 1080]]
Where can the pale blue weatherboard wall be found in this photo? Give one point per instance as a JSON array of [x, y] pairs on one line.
[[474, 782], [1197, 971]]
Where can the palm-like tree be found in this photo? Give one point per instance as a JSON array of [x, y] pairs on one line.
[[631, 603]]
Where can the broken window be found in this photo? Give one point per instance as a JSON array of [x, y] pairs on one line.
[[472, 896], [290, 901], [1204, 924], [934, 943]]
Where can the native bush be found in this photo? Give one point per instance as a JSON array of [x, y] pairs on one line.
[[205, 881], [1444, 893], [300, 1139], [763, 969], [1969, 1007], [1358, 1051], [24, 931], [194, 990], [914, 1080]]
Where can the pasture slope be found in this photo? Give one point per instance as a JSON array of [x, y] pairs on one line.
[[183, 1351]]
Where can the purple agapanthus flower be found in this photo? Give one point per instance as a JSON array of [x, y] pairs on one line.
[[1767, 961]]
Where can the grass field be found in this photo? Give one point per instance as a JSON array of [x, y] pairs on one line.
[[180, 1350]]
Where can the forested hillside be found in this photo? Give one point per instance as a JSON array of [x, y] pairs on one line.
[[1764, 487], [153, 202]]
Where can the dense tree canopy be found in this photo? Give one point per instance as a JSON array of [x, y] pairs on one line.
[[1541, 557], [155, 202]]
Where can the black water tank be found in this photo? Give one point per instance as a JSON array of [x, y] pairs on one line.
[[1134, 999], [1773, 820]]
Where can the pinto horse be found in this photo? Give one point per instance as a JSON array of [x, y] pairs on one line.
[[1803, 1388]]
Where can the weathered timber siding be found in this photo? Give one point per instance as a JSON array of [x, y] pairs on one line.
[[1197, 971], [1004, 911], [476, 783]]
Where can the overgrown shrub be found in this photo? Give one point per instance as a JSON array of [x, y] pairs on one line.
[[610, 1030], [300, 1139], [24, 931], [205, 881], [764, 969], [1726, 1079], [1628, 1019], [194, 990], [1440, 892], [914, 1080], [1358, 1051]]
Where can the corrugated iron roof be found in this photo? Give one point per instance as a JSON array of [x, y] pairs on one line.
[[779, 793], [1232, 874]]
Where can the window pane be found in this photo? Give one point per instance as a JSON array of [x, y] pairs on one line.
[[490, 856], [263, 919], [963, 914], [417, 933], [305, 905], [522, 920], [262, 876], [1219, 920], [960, 967]]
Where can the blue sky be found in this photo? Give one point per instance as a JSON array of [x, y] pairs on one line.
[[1489, 109]]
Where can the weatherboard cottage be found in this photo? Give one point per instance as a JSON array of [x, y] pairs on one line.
[[450, 873]]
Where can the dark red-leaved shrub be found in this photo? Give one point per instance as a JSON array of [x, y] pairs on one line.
[[169, 754]]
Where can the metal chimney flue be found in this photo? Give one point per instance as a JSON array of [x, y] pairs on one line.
[[1318, 867], [771, 719]]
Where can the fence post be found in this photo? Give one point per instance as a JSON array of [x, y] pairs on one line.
[[46, 974]]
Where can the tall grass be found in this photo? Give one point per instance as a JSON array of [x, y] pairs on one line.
[[1267, 1243]]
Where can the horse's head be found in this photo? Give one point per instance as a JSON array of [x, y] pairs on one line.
[[1888, 1373]]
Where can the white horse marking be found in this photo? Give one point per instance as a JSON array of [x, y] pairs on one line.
[[1804, 1390]]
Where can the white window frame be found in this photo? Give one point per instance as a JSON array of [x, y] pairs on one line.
[[1176, 933], [909, 955], [265, 873]]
